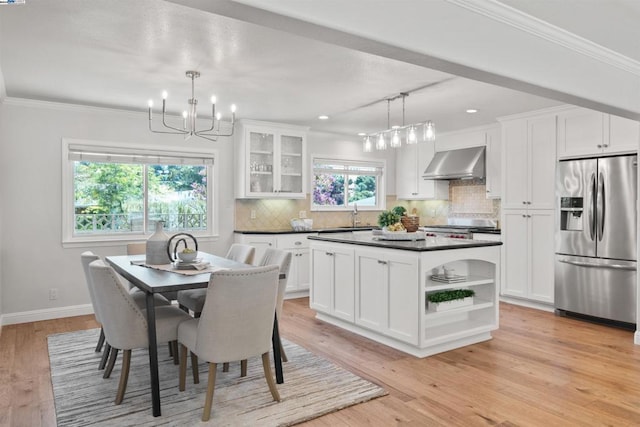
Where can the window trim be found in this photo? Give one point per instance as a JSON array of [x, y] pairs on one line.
[[381, 190], [71, 240]]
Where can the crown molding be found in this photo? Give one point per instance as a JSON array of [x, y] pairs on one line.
[[500, 12], [37, 103]]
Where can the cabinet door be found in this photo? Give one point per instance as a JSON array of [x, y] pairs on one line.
[[515, 161], [403, 296], [344, 284], [493, 153], [541, 255], [261, 153], [624, 135], [515, 229], [371, 291], [322, 273], [258, 241], [302, 262], [542, 162], [407, 172], [290, 165], [581, 132]]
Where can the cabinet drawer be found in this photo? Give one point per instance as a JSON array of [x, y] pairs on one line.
[[293, 241]]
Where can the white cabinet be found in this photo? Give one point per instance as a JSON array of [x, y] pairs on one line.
[[332, 281], [493, 162], [411, 161], [270, 160], [298, 245], [528, 147], [388, 299], [487, 236], [259, 241], [583, 132], [528, 254]]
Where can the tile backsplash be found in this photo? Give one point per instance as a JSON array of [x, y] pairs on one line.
[[467, 199]]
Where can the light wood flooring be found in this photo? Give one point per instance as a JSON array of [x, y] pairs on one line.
[[538, 370]]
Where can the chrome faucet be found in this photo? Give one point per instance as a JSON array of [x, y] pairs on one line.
[[354, 216]]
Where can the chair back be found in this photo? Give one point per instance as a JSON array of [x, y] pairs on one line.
[[138, 248], [283, 260], [124, 324], [237, 317], [241, 253], [87, 258]]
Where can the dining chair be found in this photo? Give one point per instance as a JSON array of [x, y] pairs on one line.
[[139, 298], [124, 323], [193, 299], [236, 324]]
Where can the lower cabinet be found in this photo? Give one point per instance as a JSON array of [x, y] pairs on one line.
[[333, 282], [388, 300], [259, 241], [528, 254]]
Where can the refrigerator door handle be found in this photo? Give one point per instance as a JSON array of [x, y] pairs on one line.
[[592, 208], [600, 207], [594, 265]]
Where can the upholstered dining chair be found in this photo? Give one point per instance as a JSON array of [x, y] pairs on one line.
[[124, 323], [193, 299], [139, 298], [236, 323]]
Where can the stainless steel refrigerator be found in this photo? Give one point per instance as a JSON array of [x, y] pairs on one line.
[[595, 241]]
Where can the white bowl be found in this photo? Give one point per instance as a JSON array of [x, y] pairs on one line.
[[187, 257]]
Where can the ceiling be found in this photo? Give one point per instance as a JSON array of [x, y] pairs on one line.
[[121, 53]]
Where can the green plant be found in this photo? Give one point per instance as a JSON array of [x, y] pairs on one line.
[[399, 210], [387, 218], [451, 295]]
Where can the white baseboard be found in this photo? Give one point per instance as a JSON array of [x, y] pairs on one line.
[[46, 314], [636, 338], [527, 303]]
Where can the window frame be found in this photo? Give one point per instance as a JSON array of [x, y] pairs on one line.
[[70, 239], [380, 190]]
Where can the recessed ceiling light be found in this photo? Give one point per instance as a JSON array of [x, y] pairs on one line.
[[323, 117], [361, 134], [472, 110]]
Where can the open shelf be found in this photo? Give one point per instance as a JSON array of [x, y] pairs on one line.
[[478, 304], [472, 280]]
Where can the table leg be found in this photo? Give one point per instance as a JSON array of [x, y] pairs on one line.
[[153, 354], [277, 357]]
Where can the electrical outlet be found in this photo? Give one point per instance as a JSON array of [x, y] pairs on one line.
[[302, 214], [253, 214], [53, 294]]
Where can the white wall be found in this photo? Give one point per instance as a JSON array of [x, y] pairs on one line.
[[32, 257]]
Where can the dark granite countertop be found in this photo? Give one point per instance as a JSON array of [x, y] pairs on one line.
[[313, 230], [428, 244]]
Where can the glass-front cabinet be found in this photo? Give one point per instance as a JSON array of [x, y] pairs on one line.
[[270, 160]]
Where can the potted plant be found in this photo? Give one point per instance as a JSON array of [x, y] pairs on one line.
[[387, 219], [450, 299]]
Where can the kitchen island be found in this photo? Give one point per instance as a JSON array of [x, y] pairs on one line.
[[378, 289]]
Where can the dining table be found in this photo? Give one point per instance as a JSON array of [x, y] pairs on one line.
[[158, 280]]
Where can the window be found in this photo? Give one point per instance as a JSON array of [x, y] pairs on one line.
[[341, 184], [113, 192]]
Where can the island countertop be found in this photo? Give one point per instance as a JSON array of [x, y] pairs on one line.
[[428, 244]]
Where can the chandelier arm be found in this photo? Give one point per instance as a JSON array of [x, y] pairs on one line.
[[213, 138], [164, 123], [179, 132]]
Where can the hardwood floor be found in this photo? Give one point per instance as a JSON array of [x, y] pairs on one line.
[[538, 370]]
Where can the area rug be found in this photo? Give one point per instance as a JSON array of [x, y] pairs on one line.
[[313, 387]]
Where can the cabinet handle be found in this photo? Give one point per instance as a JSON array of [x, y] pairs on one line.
[[524, 202], [329, 253], [298, 243], [270, 244], [382, 262], [528, 203], [414, 194], [599, 145], [528, 216], [524, 216], [605, 145], [488, 191]]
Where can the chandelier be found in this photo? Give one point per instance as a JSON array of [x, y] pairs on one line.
[[190, 115], [395, 134]]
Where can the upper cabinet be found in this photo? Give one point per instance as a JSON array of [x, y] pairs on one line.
[[411, 161], [583, 132], [529, 164], [270, 160]]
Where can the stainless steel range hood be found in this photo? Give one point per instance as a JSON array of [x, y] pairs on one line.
[[465, 163]]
